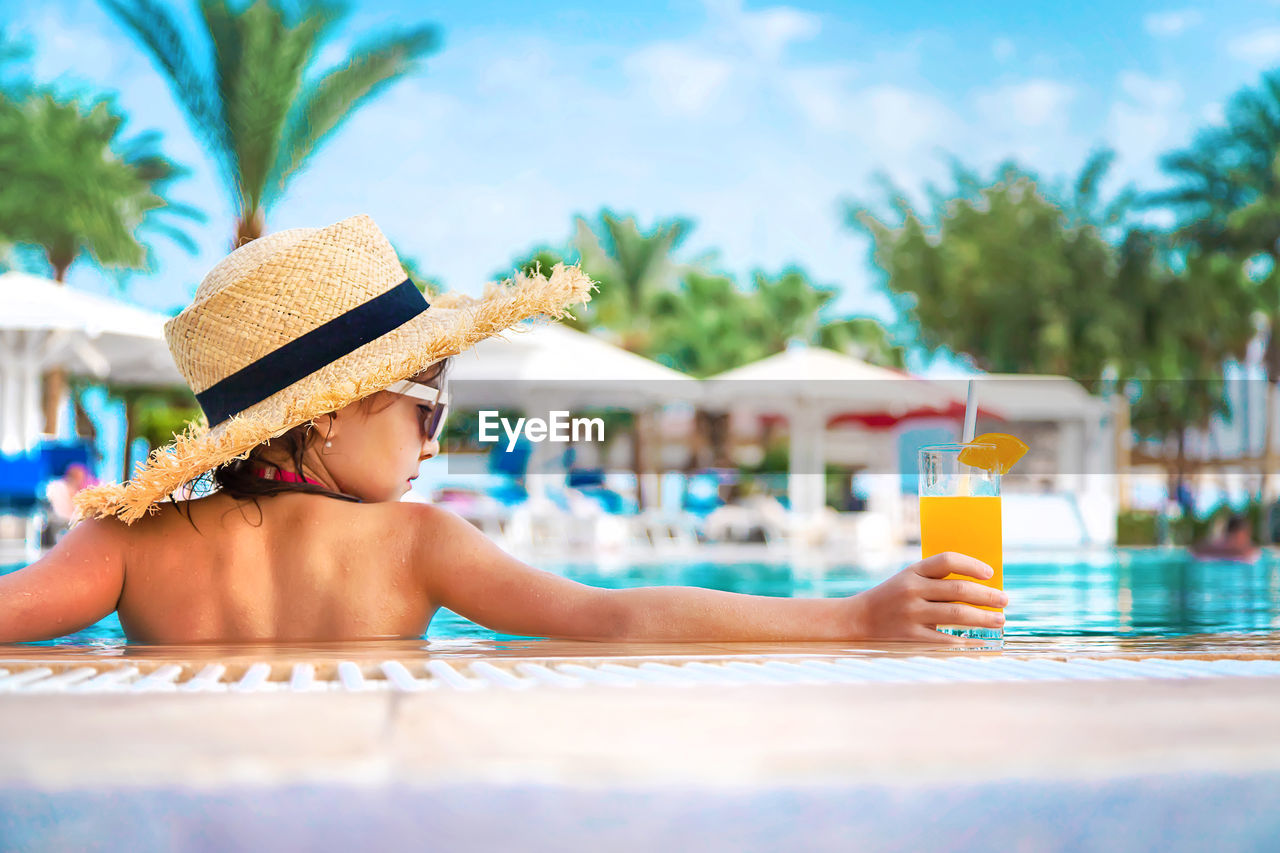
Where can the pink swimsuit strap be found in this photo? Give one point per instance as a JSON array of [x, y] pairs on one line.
[[284, 476]]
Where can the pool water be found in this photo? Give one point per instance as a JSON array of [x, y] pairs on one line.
[[1122, 593]]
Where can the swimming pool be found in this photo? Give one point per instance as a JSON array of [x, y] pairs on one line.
[[1136, 593]]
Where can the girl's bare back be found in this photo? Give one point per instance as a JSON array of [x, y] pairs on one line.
[[294, 567]]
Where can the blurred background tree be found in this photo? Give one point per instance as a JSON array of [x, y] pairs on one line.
[[864, 338], [155, 415], [786, 308], [631, 266], [1024, 281], [701, 326], [74, 186], [1227, 202], [999, 272], [691, 317], [249, 89], [1190, 313]]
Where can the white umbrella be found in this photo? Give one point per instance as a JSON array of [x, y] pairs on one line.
[[541, 367], [829, 380], [812, 384], [44, 325], [552, 363]]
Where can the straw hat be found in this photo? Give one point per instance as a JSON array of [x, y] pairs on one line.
[[300, 323]]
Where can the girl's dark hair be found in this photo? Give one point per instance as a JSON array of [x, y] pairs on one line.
[[238, 479]]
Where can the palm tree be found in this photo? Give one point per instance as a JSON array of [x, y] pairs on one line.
[[74, 187], [632, 268], [1227, 198], [864, 338], [1003, 274], [250, 92], [702, 326], [1189, 312]]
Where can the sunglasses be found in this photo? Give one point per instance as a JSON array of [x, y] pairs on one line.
[[435, 410]]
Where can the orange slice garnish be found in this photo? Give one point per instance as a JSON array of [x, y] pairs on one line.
[[994, 451]]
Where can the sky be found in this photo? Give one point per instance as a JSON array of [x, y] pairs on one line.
[[755, 120]]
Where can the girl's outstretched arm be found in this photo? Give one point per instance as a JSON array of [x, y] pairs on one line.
[[467, 573], [71, 587]]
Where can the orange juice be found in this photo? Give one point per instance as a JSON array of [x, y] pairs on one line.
[[967, 525]]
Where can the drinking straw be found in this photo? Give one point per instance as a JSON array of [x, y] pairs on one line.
[[970, 427], [970, 413]]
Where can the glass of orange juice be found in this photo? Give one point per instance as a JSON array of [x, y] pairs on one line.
[[960, 511]]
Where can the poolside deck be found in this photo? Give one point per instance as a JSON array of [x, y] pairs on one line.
[[1165, 760]]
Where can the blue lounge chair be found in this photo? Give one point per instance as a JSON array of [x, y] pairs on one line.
[[22, 479]]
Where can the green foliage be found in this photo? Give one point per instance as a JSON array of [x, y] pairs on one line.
[[542, 259], [157, 414], [1185, 324], [863, 338], [1026, 281], [1145, 527], [159, 421], [702, 326], [632, 267], [694, 319], [1228, 196], [1136, 527], [1001, 273], [74, 185], [786, 308], [249, 88], [1227, 187]]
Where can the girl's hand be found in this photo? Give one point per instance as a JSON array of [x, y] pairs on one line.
[[912, 603]]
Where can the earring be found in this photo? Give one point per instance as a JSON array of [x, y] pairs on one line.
[[328, 444]]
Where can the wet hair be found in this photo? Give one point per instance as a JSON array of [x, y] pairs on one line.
[[238, 479]]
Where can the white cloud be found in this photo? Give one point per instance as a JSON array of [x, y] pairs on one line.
[[1260, 47], [1035, 103], [1030, 121], [1003, 49], [899, 123], [679, 78], [1146, 119], [71, 50], [737, 49], [1150, 92], [890, 123], [767, 33], [821, 93], [510, 133], [1170, 23]]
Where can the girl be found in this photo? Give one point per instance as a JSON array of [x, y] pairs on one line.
[[320, 371]]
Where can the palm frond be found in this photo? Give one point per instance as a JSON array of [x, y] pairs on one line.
[[186, 211], [152, 24], [174, 233], [1091, 175], [329, 101]]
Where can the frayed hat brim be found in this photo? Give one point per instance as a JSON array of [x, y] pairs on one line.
[[453, 324]]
